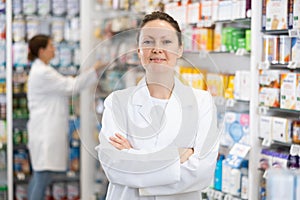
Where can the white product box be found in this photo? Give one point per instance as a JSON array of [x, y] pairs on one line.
[[225, 10], [296, 14], [288, 91], [242, 85], [281, 129], [194, 13], [277, 14], [265, 127]]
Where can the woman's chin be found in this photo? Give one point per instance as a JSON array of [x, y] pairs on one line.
[[158, 67]]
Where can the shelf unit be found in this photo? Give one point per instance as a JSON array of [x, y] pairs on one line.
[[88, 155], [16, 123]]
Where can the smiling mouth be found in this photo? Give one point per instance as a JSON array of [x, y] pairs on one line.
[[157, 60]]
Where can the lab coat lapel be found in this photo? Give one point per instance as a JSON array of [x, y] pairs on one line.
[[141, 99]]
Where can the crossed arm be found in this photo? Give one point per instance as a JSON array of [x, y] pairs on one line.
[[120, 142]]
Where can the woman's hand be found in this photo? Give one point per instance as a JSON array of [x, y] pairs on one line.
[[98, 66], [120, 142], [185, 154]]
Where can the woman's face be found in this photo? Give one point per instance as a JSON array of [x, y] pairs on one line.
[[158, 47], [47, 53]]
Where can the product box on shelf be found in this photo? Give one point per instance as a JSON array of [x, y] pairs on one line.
[[265, 127], [282, 129], [296, 14], [193, 12], [288, 91], [277, 14], [269, 88], [216, 84], [269, 97], [242, 85], [236, 129], [270, 51], [298, 92]]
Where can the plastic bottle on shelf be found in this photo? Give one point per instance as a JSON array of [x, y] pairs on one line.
[[218, 174], [293, 158], [3, 192], [244, 180]]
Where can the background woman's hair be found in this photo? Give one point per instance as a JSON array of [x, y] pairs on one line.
[[161, 16], [35, 43]]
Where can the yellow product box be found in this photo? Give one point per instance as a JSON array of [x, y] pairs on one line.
[[298, 92], [206, 41], [277, 14], [216, 84], [230, 87], [269, 97], [288, 91], [193, 77]]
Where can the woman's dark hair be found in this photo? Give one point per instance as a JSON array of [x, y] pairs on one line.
[[161, 16], [35, 44]]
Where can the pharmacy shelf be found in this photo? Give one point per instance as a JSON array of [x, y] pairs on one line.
[[213, 194], [214, 62], [276, 32], [274, 143], [263, 110]]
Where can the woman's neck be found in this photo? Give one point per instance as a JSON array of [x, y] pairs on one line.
[[44, 61], [160, 86]]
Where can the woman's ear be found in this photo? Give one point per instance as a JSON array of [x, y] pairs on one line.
[[180, 51], [139, 53]]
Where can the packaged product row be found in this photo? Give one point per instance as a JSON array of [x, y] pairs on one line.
[[60, 28], [230, 86], [66, 55], [57, 191], [280, 15], [280, 89], [206, 12], [219, 39], [281, 129], [46, 7], [280, 49]]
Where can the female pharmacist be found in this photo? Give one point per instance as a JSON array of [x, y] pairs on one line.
[[48, 93], [158, 139]]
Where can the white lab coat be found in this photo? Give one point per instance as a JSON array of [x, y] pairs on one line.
[[152, 169], [48, 104]]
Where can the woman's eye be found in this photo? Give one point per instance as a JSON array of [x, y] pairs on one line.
[[148, 42], [167, 42]]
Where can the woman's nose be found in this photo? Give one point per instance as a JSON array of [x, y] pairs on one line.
[[157, 49]]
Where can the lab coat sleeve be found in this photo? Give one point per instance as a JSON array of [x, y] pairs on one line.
[[52, 82], [134, 168], [197, 172]]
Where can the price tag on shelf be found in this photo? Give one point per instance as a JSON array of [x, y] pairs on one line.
[[293, 65], [266, 142], [230, 102], [263, 110], [263, 65], [265, 175], [203, 54], [293, 33]]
